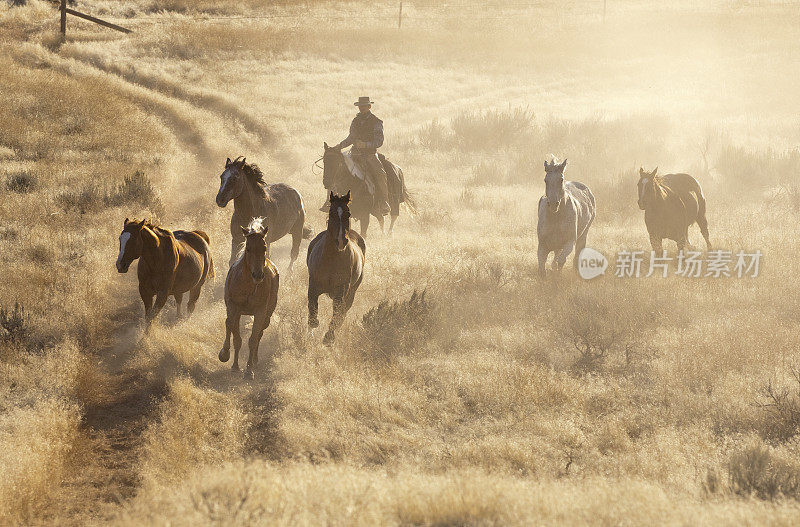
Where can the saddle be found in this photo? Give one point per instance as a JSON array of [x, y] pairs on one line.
[[357, 171]]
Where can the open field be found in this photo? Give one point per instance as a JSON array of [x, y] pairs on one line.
[[484, 404]]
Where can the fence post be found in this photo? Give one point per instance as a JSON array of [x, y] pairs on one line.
[[400, 16], [64, 18]]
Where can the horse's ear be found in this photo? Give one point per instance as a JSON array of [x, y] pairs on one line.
[[332, 196], [325, 144], [655, 170], [641, 172], [563, 164], [245, 231], [227, 162], [546, 166], [347, 196], [126, 221], [141, 223], [264, 231], [243, 160]]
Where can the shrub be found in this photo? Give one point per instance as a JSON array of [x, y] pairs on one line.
[[136, 189], [435, 136], [14, 325], [393, 328], [600, 331], [83, 200], [756, 471], [491, 129], [21, 182], [487, 174], [783, 407]]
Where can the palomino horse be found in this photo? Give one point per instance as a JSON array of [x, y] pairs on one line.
[[251, 288], [172, 263], [671, 204], [566, 212], [336, 175], [280, 206], [335, 265]]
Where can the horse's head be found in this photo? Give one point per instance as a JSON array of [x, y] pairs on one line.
[[647, 187], [339, 219], [130, 244], [255, 248], [231, 181], [332, 161], [554, 184]]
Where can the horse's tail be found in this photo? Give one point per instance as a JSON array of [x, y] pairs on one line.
[[208, 258], [405, 195], [307, 232], [702, 221]]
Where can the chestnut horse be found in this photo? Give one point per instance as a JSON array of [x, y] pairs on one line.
[[671, 204], [335, 265], [280, 206], [172, 263], [251, 288]]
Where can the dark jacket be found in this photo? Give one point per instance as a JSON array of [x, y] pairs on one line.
[[367, 128]]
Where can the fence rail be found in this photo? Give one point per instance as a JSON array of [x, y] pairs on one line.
[[69, 11]]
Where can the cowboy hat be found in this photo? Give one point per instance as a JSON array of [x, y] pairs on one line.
[[363, 101]]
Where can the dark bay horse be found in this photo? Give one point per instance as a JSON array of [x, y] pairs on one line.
[[280, 206], [251, 288], [171, 263], [335, 265], [337, 177], [671, 204], [566, 212]]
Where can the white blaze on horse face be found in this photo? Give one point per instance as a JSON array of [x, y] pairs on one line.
[[123, 241], [642, 186]]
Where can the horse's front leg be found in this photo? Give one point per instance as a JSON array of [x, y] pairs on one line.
[[147, 300], [391, 223], [161, 299], [260, 323], [542, 253], [313, 307], [234, 328], [336, 319], [237, 238], [380, 222], [364, 226], [561, 258]]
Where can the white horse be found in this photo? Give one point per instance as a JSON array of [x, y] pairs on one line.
[[565, 213]]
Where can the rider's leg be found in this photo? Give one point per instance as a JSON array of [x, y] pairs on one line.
[[378, 176]]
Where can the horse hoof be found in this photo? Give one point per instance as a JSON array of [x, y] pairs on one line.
[[235, 367], [249, 375], [313, 323], [224, 355]]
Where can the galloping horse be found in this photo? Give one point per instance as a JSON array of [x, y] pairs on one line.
[[566, 212], [335, 265], [172, 263], [671, 204], [251, 288], [336, 175], [280, 206]]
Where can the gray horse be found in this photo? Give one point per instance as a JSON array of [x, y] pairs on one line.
[[565, 213], [280, 205]]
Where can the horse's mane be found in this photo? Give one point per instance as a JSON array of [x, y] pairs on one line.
[[255, 177], [256, 224]]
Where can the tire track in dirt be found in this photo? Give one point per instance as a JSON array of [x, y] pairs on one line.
[[173, 112], [211, 101]]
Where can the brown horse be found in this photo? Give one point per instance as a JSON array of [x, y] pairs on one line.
[[280, 206], [172, 263], [671, 204], [335, 265], [337, 177], [251, 288]]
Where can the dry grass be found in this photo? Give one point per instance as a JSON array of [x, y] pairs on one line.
[[493, 398]]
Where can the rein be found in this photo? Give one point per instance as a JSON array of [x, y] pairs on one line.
[[316, 165]]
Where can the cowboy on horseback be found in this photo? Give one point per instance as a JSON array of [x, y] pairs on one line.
[[366, 136]]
